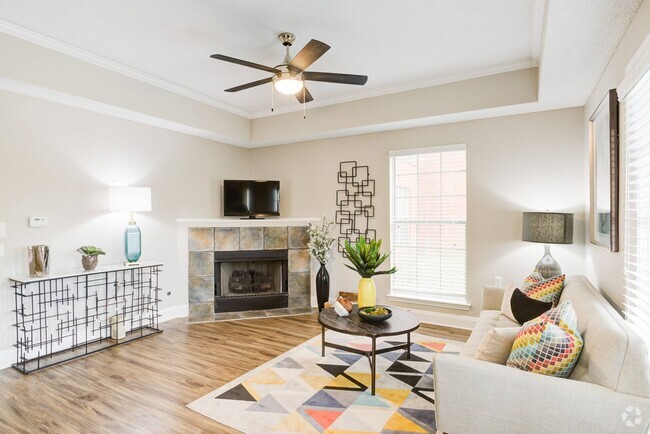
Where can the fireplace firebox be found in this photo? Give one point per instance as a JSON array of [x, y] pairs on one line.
[[250, 280]]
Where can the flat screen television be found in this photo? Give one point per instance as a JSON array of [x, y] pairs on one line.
[[251, 198]]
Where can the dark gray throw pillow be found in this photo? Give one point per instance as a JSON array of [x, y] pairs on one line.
[[525, 308]]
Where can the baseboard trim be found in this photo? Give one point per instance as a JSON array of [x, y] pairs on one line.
[[7, 357], [464, 322], [173, 312]]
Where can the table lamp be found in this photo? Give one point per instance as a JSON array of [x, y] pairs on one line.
[[548, 228], [132, 200]]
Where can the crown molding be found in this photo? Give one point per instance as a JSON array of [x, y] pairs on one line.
[[46, 94], [636, 67], [94, 59], [411, 85], [62, 47]]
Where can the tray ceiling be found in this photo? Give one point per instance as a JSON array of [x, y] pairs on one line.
[[398, 45]]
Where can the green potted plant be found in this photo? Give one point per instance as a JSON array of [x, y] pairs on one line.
[[89, 256], [365, 259]]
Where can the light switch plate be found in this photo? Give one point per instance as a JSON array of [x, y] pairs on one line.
[[2, 250], [498, 281], [37, 222], [3, 230]]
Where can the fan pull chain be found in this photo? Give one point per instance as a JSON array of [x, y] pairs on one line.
[[272, 92], [304, 103]]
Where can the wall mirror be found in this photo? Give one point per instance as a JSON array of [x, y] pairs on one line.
[[603, 145]]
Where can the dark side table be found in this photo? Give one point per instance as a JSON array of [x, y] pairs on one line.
[[402, 322]]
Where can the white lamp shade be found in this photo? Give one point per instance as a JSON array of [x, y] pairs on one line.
[[130, 199]]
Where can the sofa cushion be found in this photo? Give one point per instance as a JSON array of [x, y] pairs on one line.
[[614, 355], [487, 320], [496, 345], [548, 290], [533, 277], [506, 307], [525, 308], [548, 345]]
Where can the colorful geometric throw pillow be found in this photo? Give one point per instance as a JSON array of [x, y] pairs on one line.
[[548, 290], [534, 277], [548, 345]]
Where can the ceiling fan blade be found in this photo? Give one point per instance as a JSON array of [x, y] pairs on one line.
[[249, 85], [331, 77], [244, 63], [309, 54], [307, 95]]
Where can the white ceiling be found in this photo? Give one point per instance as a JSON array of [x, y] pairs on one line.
[[399, 45]]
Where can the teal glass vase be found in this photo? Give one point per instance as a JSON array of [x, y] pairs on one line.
[[132, 242]]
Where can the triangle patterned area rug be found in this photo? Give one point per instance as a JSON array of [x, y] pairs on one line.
[[302, 392]]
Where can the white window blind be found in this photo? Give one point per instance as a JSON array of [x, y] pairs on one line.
[[429, 223], [636, 140]]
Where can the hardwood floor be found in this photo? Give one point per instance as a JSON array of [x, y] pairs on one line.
[[145, 385]]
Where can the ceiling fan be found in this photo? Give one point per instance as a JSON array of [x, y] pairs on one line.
[[289, 77]]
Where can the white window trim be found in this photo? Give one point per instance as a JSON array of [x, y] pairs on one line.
[[428, 149], [635, 68], [458, 303]]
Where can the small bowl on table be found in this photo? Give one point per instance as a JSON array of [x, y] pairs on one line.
[[366, 315]]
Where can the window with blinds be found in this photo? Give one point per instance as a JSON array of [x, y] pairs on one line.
[[429, 223], [636, 140]]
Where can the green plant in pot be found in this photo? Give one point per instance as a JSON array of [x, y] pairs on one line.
[[89, 256], [366, 258]]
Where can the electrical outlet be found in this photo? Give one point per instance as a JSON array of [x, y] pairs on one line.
[[37, 222], [3, 230], [498, 281]]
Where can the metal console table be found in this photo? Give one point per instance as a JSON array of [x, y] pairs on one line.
[[61, 317]]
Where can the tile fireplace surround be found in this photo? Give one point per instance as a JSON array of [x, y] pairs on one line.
[[205, 236]]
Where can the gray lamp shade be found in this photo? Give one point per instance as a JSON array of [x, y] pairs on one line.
[[548, 227]]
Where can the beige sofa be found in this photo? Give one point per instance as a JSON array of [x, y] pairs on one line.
[[608, 391]]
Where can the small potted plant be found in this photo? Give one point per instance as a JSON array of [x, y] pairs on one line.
[[365, 259], [89, 256], [320, 244]]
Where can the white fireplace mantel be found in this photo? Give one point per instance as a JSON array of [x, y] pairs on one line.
[[240, 223]]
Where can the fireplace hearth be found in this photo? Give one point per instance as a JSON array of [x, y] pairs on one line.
[[250, 280], [275, 250]]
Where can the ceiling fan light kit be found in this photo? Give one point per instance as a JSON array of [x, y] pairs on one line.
[[290, 76], [287, 83]]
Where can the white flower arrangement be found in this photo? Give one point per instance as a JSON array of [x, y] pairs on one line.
[[320, 241]]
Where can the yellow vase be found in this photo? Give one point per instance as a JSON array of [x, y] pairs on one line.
[[367, 292]]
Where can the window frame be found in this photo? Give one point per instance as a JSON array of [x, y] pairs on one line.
[[458, 301], [635, 301]]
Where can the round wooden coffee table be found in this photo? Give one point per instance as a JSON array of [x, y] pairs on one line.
[[402, 322]]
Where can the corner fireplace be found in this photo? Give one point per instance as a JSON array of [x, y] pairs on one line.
[[250, 280]]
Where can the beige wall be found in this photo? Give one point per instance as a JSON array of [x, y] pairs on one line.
[[105, 90], [514, 164], [58, 162], [492, 91], [604, 268]]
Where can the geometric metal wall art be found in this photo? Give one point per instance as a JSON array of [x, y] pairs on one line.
[[354, 202]]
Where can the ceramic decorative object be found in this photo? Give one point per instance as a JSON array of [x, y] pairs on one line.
[[320, 245], [39, 260], [322, 286], [367, 292], [89, 262], [89, 256], [367, 315], [365, 259], [340, 309]]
